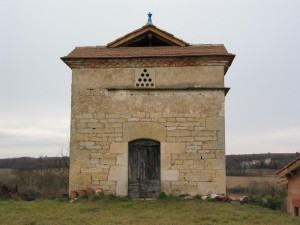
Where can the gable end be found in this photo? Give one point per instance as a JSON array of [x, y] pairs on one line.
[[147, 36]]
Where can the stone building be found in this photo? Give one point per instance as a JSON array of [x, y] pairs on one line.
[[148, 115], [290, 175]]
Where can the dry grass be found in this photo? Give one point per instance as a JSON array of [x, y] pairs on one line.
[[6, 175], [164, 212], [233, 181]]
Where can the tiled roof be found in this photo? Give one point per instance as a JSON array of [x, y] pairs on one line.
[[134, 52], [292, 166]]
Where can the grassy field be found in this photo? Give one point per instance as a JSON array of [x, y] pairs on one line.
[[164, 212]]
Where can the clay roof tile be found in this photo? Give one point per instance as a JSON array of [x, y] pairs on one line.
[[134, 52]]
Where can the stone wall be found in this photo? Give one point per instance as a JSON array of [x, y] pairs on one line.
[[108, 112]]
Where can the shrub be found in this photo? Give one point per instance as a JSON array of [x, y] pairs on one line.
[[162, 195], [275, 199], [198, 197]]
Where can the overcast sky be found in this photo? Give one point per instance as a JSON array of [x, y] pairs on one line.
[[262, 107]]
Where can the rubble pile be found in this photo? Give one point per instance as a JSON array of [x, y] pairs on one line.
[[224, 198]]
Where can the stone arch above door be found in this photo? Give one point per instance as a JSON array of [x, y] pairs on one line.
[[144, 130]]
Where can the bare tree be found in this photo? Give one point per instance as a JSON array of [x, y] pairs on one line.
[[62, 169]]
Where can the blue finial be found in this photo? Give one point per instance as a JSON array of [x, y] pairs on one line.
[[149, 18]]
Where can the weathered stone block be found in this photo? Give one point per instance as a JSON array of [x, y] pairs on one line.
[[95, 125], [102, 166], [75, 168], [220, 175], [112, 116], [84, 116], [108, 130], [86, 143], [94, 161], [188, 162], [165, 161], [110, 155], [99, 176], [93, 147], [214, 164], [171, 148], [215, 123], [122, 188], [213, 145], [196, 166], [96, 155], [179, 183], [116, 120], [119, 147], [115, 125], [204, 133], [118, 173], [91, 170], [205, 177], [122, 159], [194, 156], [95, 182], [208, 156], [133, 119], [155, 115], [108, 161], [166, 186], [185, 139], [169, 175], [207, 188], [178, 133], [220, 154], [180, 167]]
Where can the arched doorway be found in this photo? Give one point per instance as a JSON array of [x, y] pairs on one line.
[[143, 168]]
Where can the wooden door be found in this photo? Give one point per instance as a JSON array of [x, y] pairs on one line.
[[144, 169]]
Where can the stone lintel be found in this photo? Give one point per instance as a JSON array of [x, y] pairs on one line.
[[144, 130]]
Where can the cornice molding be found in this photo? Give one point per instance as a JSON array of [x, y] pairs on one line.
[[74, 63]]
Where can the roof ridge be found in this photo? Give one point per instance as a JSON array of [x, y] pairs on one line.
[[123, 47]]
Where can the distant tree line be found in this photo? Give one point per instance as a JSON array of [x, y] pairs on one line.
[[33, 163], [250, 164]]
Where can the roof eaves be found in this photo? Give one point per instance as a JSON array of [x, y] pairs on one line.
[[229, 56], [289, 168]]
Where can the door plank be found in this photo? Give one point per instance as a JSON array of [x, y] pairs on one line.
[[144, 169]]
